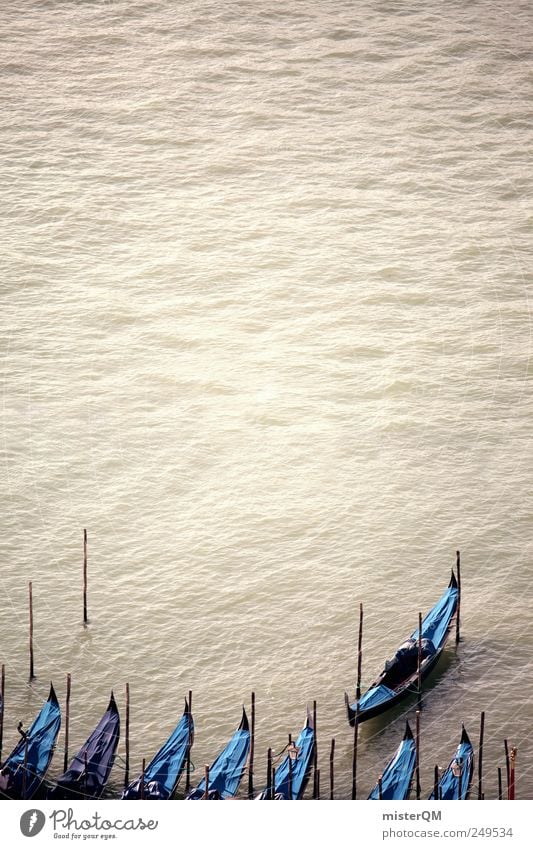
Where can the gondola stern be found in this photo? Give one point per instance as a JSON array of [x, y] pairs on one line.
[[408, 732], [112, 706], [245, 725], [453, 581], [52, 697], [349, 710], [464, 736]]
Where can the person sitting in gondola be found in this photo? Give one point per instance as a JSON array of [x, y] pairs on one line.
[[405, 662], [9, 779], [4, 779]]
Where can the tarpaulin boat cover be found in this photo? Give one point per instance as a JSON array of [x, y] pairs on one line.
[[434, 633], [300, 766], [375, 696], [435, 625], [40, 742], [458, 774], [162, 773], [99, 753], [398, 774], [405, 662], [226, 772]]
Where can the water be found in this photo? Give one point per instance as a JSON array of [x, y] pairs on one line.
[[266, 334]]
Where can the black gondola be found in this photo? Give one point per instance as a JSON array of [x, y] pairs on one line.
[[89, 770], [400, 675]]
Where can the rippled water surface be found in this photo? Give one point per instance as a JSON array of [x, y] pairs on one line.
[[265, 333]]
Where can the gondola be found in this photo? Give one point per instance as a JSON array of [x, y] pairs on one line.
[[226, 772], [400, 675], [161, 776], [89, 770], [457, 777], [291, 776], [398, 774], [24, 769]]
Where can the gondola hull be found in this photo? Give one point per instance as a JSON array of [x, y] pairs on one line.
[[226, 771], [397, 776], [24, 769], [457, 777], [410, 688], [400, 676], [291, 777], [163, 773], [89, 770]]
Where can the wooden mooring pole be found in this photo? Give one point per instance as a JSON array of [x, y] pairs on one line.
[[357, 699], [500, 783], [419, 663], [417, 760], [480, 756], [512, 774], [354, 757], [289, 779], [458, 616], [67, 722], [507, 765], [30, 598], [85, 617], [315, 755], [25, 769], [380, 787], [188, 767], [436, 782], [85, 773], [270, 776], [206, 780], [332, 769], [2, 697], [252, 751], [359, 654], [127, 761], [143, 770]]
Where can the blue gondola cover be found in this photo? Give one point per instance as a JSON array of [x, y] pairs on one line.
[[375, 696], [162, 773], [41, 738], [398, 774], [226, 772], [99, 752], [300, 766], [455, 780]]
